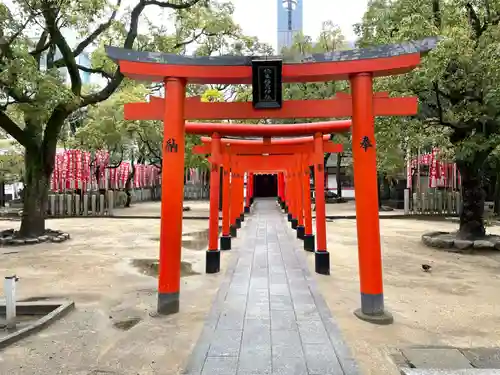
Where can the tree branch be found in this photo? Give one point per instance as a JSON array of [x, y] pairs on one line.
[[95, 71], [67, 55], [100, 29], [436, 12], [189, 41], [40, 47], [148, 145], [51, 134], [15, 131], [168, 4], [92, 37], [474, 21], [117, 163]]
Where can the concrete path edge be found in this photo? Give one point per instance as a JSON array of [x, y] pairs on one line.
[[64, 308]]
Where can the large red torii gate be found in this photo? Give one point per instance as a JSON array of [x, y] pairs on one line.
[[360, 67]]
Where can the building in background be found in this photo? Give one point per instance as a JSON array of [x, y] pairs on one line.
[[290, 21], [83, 59]]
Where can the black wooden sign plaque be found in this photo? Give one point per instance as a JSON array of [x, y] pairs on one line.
[[267, 84]]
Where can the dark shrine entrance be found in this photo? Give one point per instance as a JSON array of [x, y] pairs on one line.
[[265, 185]]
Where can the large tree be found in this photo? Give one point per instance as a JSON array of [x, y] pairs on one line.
[[35, 56], [457, 84]]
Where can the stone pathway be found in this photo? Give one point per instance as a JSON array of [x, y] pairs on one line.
[[268, 317]]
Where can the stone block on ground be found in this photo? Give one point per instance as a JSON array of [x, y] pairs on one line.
[[485, 358], [433, 358]]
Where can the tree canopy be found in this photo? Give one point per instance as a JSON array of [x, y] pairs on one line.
[[457, 84], [41, 68]]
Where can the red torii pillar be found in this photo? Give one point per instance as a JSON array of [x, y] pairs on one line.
[[301, 201], [212, 264], [171, 209], [367, 214], [309, 239], [322, 256], [225, 239]]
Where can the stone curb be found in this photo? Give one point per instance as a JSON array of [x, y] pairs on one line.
[[37, 326], [55, 237], [441, 241]]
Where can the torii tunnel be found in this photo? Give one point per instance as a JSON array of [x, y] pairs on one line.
[[266, 75]]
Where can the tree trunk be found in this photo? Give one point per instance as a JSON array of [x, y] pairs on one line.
[[128, 185], [379, 193], [473, 197], [339, 179], [497, 194], [35, 196]]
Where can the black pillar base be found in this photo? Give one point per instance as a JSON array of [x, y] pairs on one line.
[[289, 216], [237, 223], [301, 230], [309, 242], [322, 262], [247, 209], [251, 201], [279, 200], [372, 310], [242, 217], [225, 242], [282, 205], [233, 231], [168, 303], [294, 223], [286, 209], [212, 262]]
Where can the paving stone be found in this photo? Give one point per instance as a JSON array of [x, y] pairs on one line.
[[255, 363], [220, 366], [231, 320], [252, 323], [313, 332], [447, 358], [283, 320], [286, 344], [225, 343], [281, 303], [258, 311], [483, 357], [321, 360], [279, 289], [289, 366]]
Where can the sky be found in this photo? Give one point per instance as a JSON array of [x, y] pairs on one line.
[[258, 17]]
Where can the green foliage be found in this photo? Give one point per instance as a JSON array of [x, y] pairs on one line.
[[457, 83]]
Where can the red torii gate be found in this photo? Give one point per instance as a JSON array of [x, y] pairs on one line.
[[269, 157], [358, 66]]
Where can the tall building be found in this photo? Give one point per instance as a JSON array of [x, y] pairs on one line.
[[290, 19]]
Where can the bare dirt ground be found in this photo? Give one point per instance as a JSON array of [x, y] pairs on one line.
[[202, 208], [457, 304], [197, 208], [94, 269]]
